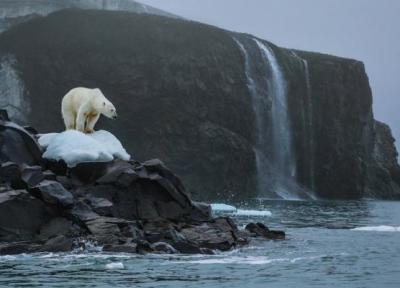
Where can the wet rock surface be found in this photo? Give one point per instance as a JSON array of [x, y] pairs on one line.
[[123, 206]]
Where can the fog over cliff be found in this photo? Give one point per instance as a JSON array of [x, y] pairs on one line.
[[366, 30]]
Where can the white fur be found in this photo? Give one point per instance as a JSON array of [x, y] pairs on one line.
[[81, 108]]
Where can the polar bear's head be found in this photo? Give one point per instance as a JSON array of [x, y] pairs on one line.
[[105, 107]]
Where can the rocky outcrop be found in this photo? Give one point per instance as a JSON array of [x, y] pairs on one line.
[[184, 96], [122, 206], [384, 170]]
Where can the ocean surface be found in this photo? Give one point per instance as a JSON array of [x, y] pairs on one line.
[[329, 244]]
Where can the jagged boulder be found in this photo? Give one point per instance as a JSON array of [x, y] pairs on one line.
[[17, 145], [123, 206]]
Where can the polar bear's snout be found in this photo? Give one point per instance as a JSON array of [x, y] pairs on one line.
[[114, 114]]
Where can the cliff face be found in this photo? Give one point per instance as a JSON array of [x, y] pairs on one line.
[[234, 116], [13, 12]]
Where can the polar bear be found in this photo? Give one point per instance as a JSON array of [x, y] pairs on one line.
[[81, 108]]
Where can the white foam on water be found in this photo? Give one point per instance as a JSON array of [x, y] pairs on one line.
[[381, 228], [249, 260], [115, 266]]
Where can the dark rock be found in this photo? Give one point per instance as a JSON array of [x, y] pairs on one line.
[[260, 230], [213, 235], [31, 130], [64, 181], [21, 215], [32, 175], [4, 115], [383, 179], [18, 248], [59, 243], [49, 175], [126, 248], [201, 212], [113, 171], [57, 167], [144, 247], [17, 145], [108, 230], [54, 193], [162, 247], [10, 173], [81, 212], [60, 226], [101, 206], [155, 231], [121, 206], [87, 173]]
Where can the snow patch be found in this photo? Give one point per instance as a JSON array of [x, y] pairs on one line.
[[75, 147], [381, 228]]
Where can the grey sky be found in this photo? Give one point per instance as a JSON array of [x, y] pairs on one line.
[[367, 30]]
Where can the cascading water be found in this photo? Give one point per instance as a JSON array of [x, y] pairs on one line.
[[308, 122], [276, 170], [258, 105], [281, 136]]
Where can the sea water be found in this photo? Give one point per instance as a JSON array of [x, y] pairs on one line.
[[329, 244]]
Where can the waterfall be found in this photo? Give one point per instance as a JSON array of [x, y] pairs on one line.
[[258, 105], [308, 122], [276, 169], [310, 127], [282, 158]]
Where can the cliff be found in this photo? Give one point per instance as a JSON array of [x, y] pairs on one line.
[[234, 116]]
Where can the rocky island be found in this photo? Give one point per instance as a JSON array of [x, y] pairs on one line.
[[121, 206]]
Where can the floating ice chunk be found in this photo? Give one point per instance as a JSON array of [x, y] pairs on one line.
[[224, 208], [217, 207], [260, 213], [381, 228], [115, 265], [75, 147]]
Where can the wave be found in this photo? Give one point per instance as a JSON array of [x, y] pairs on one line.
[[248, 260], [224, 208], [115, 265], [381, 228]]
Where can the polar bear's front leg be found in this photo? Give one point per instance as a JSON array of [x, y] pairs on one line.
[[81, 119], [69, 121], [91, 120]]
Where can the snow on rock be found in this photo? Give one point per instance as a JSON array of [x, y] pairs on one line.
[[75, 147]]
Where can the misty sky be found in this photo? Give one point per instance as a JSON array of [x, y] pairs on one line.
[[367, 30]]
